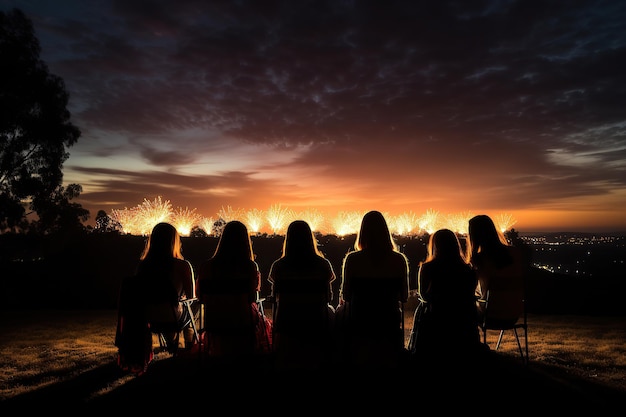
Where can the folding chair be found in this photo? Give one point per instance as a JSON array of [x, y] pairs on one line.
[[375, 323], [144, 310], [171, 319], [228, 324], [504, 309], [301, 323]]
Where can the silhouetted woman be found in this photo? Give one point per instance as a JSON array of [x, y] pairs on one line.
[[301, 281], [233, 265], [162, 274], [495, 261], [376, 258], [446, 290]]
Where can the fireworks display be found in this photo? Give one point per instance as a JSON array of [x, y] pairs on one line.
[[141, 219]]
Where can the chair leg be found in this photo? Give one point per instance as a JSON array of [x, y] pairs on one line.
[[519, 345], [499, 339], [173, 349], [524, 352], [162, 342], [193, 323], [163, 345]]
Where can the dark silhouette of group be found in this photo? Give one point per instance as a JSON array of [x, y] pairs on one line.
[[365, 330]]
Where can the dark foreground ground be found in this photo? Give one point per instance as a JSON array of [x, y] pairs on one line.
[[182, 384], [86, 274]]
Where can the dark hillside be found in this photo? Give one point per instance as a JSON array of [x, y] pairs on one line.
[[85, 272]]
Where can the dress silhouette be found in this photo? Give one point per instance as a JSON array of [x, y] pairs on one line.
[[445, 321], [301, 281], [233, 271], [497, 263], [162, 278], [374, 287]]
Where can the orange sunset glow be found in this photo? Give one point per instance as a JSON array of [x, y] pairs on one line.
[[345, 107], [141, 219]]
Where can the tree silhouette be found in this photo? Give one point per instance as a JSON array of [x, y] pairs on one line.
[[35, 130], [197, 231], [105, 224], [56, 213]]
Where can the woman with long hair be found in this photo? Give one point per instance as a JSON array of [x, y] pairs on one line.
[[232, 269], [374, 287], [162, 279], [445, 318], [489, 253], [301, 281]]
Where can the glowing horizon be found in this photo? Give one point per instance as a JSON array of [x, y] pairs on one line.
[[140, 219]]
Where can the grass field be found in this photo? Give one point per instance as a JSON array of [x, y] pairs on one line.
[[70, 355]]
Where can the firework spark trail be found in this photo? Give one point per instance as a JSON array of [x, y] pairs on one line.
[[185, 219], [141, 219], [278, 217], [504, 221], [314, 218], [429, 221], [255, 220]]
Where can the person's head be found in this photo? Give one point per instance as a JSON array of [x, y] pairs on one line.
[[483, 236], [374, 233], [300, 240], [163, 242], [235, 242], [444, 245]]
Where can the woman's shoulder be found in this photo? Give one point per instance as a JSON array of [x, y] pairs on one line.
[[253, 264], [204, 267], [325, 267], [322, 260], [466, 269], [516, 252], [182, 265], [311, 264], [399, 254], [435, 267], [212, 268], [353, 254], [206, 262], [182, 262], [278, 266], [428, 266], [518, 256], [400, 258], [352, 258]]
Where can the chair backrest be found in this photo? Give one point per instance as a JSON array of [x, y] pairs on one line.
[[503, 309], [375, 323], [301, 304], [227, 319], [226, 305], [164, 316], [162, 308], [376, 301], [505, 302]]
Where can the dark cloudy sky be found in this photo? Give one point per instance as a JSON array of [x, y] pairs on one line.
[[489, 107]]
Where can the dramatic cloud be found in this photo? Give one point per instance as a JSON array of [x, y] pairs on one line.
[[491, 106]]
